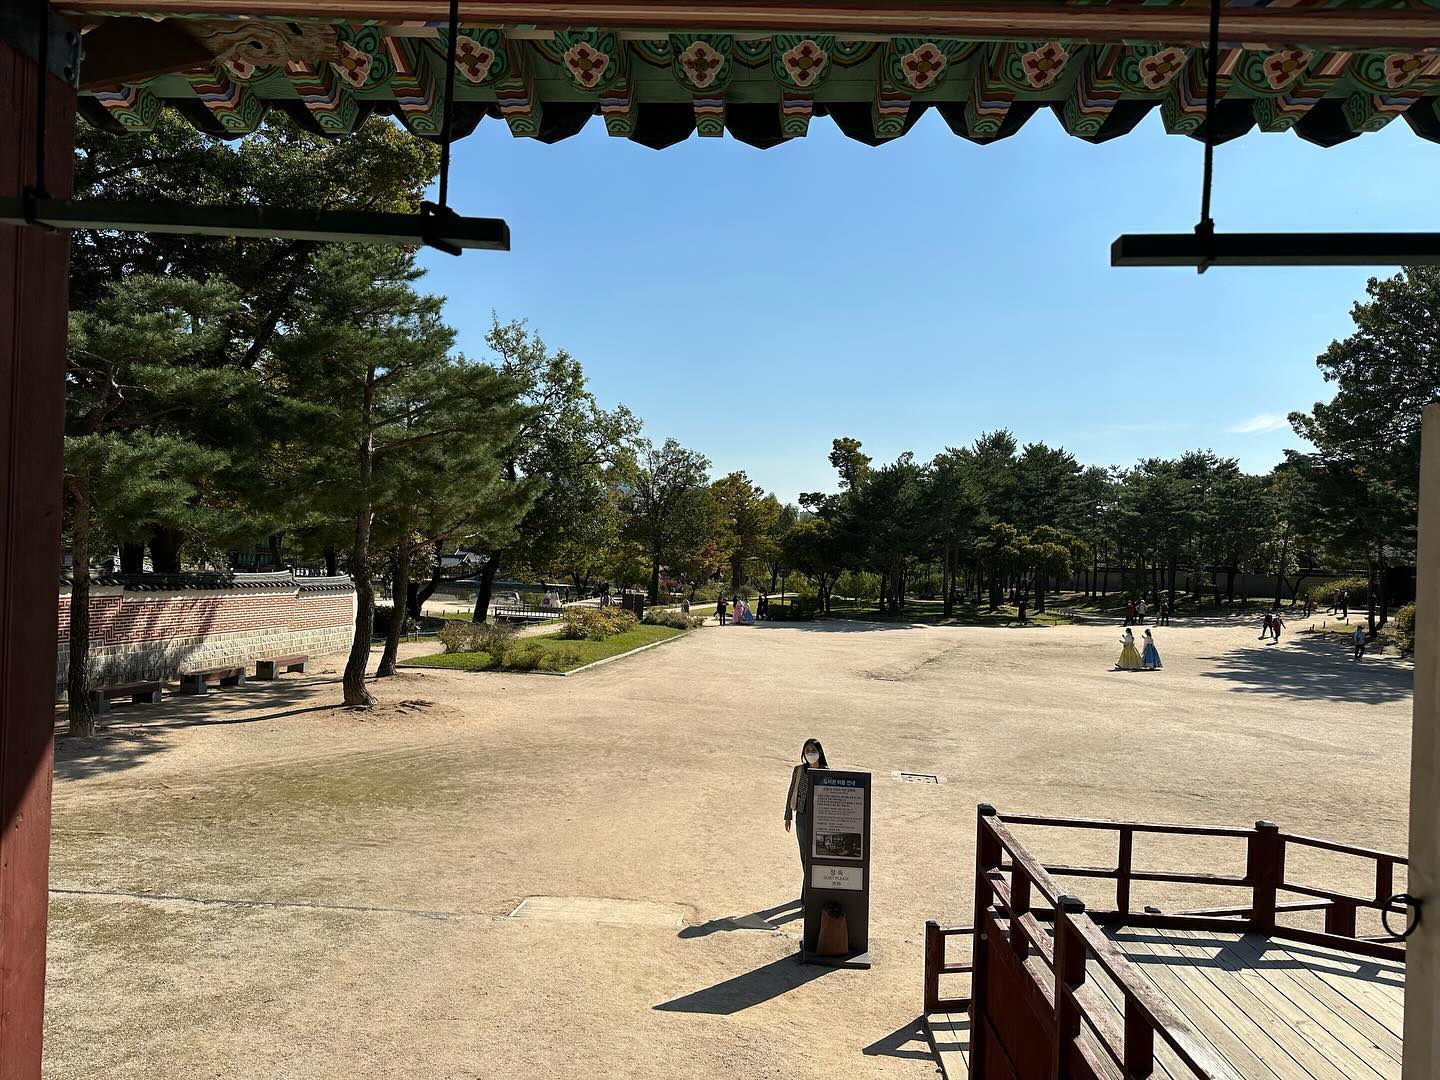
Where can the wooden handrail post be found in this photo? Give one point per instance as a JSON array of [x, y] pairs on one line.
[[1384, 880], [1340, 918], [1070, 956], [934, 961], [987, 857], [1019, 905], [1139, 1042], [1265, 867], [1122, 870]]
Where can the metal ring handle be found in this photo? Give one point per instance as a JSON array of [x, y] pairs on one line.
[[1409, 902]]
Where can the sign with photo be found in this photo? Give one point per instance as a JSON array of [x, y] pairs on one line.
[[838, 823]]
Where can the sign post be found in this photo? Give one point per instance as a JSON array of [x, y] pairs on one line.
[[837, 865]]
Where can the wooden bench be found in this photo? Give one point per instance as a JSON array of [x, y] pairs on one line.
[[137, 692], [197, 682], [270, 667]]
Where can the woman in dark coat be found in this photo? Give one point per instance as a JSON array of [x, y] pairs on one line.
[[797, 802]]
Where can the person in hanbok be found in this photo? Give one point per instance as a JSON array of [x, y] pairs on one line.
[[1129, 655], [1150, 657]]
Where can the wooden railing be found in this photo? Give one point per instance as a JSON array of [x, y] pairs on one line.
[[529, 612], [1041, 942]]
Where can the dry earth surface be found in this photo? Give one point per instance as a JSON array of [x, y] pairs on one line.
[[262, 885]]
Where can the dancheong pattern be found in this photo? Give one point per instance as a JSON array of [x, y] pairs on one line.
[[659, 88]]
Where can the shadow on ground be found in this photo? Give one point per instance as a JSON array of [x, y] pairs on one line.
[[134, 732], [772, 918], [907, 1041], [753, 988], [1313, 668]]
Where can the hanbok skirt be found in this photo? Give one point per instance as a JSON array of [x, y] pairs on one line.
[[1150, 658], [1129, 659]]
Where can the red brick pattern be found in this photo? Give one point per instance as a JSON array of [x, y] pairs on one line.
[[136, 619]]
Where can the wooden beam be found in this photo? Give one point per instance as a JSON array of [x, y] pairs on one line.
[[1117, 21], [33, 288], [1422, 964], [132, 50], [339, 226], [1276, 249]]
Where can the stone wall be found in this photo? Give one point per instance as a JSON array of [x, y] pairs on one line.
[[150, 627]]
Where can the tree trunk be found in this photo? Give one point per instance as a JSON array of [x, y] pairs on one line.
[[354, 679], [655, 577], [1039, 593], [1384, 604], [416, 596], [1230, 572], [276, 544], [1370, 592], [947, 580], [165, 551], [487, 585], [82, 719], [332, 563], [400, 588], [132, 558]]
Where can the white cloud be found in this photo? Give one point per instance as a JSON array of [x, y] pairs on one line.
[[1259, 423]]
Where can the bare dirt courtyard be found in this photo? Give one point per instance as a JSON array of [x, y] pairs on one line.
[[262, 885]]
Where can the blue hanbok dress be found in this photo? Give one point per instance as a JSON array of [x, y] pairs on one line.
[[1150, 657]]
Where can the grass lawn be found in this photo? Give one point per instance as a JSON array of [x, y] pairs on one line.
[[932, 613], [555, 654]]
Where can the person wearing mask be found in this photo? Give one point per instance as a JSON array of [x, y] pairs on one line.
[[797, 802]]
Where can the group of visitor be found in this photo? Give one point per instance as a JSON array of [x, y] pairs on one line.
[[739, 611], [1136, 610], [1272, 627], [1133, 659]]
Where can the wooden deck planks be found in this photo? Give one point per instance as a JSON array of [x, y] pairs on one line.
[[1321, 1041], [1318, 997]]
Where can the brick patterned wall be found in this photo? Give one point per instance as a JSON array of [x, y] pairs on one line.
[[155, 635]]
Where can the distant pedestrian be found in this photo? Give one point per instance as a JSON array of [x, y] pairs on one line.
[[1140, 610], [685, 605], [1345, 604], [1129, 612], [762, 606], [1276, 625], [720, 609], [1307, 605], [1265, 630], [1359, 640], [1164, 612], [1150, 656]]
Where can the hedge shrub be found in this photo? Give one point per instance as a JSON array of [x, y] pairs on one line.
[[672, 617], [1357, 587], [467, 637], [595, 624], [1402, 626]]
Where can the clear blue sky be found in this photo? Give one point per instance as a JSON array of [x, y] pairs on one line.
[[756, 304]]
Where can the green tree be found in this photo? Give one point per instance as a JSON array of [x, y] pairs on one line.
[[815, 548], [566, 445], [669, 509], [747, 515], [135, 377]]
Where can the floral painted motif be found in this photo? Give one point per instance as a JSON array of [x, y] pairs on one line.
[[923, 66], [1044, 65], [1402, 68], [586, 63], [1284, 67], [472, 60], [805, 62], [701, 64], [1157, 70], [353, 64]]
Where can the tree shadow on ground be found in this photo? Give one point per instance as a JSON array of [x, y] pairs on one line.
[[753, 988], [135, 732], [910, 1041], [1312, 668], [772, 918]]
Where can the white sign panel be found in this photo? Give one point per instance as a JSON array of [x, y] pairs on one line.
[[837, 877], [839, 828]]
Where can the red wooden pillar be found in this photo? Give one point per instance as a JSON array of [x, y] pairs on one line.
[[33, 297]]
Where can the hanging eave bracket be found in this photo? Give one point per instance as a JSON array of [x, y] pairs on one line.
[[336, 226]]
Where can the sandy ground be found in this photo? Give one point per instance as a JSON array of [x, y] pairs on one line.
[[261, 885]]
